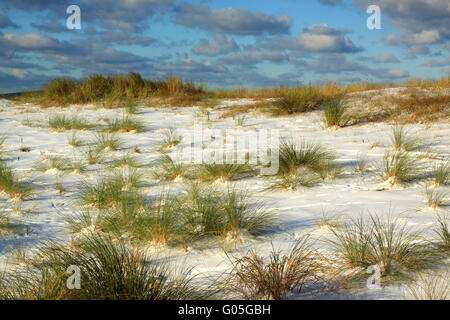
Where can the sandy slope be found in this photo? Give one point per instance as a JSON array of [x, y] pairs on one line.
[[348, 195]]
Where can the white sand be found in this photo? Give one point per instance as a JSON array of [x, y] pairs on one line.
[[350, 195]]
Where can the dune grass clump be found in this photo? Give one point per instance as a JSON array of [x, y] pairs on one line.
[[361, 164], [170, 220], [6, 225], [2, 141], [55, 162], [329, 220], [208, 172], [209, 212], [125, 216], [130, 107], [109, 190], [162, 222], [109, 270], [399, 167], [169, 139], [100, 194], [432, 286], [443, 233], [336, 113], [74, 141], [93, 156], [435, 197], [130, 178], [96, 88], [297, 100], [403, 141], [275, 277], [2, 150], [107, 142], [75, 166], [441, 174], [240, 120], [388, 243], [126, 160], [61, 122], [4, 222], [125, 124], [61, 89], [302, 165], [301, 177], [82, 221], [307, 154], [12, 185], [155, 222], [166, 169], [242, 215]]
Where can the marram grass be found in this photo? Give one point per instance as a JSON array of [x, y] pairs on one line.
[[300, 178], [386, 242], [403, 140], [400, 167], [110, 270], [107, 142], [125, 124], [274, 277], [214, 171], [311, 155], [166, 169], [11, 184], [61, 122], [336, 113]]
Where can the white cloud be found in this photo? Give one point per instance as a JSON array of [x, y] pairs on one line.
[[21, 74], [231, 20], [29, 41], [323, 38], [219, 45]]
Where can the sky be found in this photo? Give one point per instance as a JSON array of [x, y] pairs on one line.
[[228, 43]]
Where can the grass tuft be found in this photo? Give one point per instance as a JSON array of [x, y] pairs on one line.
[[224, 172], [336, 113], [109, 190], [399, 167], [109, 270], [208, 212], [311, 155], [297, 101], [130, 107], [435, 197], [6, 225], [275, 277], [2, 141], [93, 156], [432, 286], [441, 174], [361, 164], [61, 122], [443, 233], [169, 139], [402, 140], [74, 141], [157, 222], [124, 124], [387, 243], [107, 142], [168, 170], [54, 162], [12, 185], [301, 177], [126, 160]]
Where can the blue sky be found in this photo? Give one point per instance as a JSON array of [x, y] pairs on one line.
[[224, 43]]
